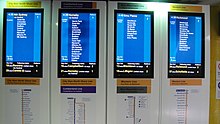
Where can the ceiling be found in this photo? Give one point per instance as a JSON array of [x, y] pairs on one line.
[[209, 2]]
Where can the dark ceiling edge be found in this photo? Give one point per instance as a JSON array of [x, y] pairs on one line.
[[204, 2]]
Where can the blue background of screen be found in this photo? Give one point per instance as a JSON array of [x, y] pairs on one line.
[[87, 37], [193, 55], [133, 50], [28, 49]]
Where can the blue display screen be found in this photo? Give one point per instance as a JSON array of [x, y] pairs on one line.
[[23, 37], [23, 42], [78, 37], [133, 43], [186, 46], [133, 37], [78, 41]]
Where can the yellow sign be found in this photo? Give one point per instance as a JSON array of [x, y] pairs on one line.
[[94, 5], [123, 82], [134, 83], [22, 81], [185, 82], [23, 4], [185, 8], [78, 82]]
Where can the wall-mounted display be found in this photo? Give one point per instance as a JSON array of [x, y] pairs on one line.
[[134, 44], [23, 43], [186, 45], [78, 52]]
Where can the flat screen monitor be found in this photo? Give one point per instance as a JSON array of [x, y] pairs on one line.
[[78, 44], [133, 44], [22, 43], [186, 45]]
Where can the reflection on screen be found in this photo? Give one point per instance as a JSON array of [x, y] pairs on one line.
[[23, 43], [78, 43], [186, 58], [133, 44]]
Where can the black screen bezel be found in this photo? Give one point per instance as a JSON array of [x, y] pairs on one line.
[[18, 74], [178, 75], [151, 73], [59, 74]]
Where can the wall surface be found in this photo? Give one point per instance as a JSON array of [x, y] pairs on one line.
[[21, 100], [215, 56], [52, 100]]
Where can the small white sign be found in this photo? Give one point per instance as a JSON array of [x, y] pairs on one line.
[[217, 79], [217, 89], [217, 70]]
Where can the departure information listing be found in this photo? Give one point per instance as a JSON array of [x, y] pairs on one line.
[[186, 58], [78, 45], [23, 43], [133, 44]]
